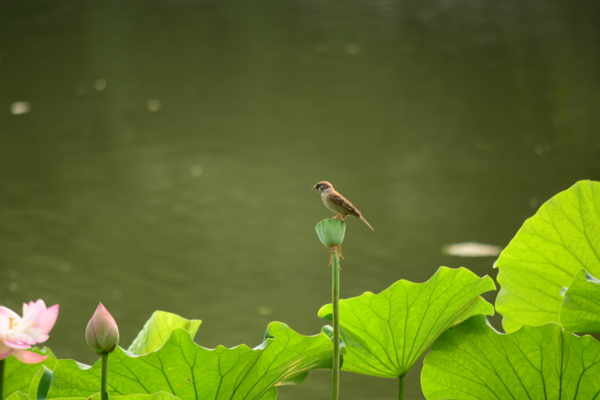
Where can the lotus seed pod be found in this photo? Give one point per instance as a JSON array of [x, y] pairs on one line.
[[331, 232]]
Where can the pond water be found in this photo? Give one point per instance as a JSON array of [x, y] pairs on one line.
[[160, 154]]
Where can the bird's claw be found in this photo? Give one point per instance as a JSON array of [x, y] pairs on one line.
[[331, 250]]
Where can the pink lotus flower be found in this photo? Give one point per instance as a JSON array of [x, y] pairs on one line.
[[17, 334]]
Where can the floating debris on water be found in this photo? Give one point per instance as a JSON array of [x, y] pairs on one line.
[[352, 48], [264, 310], [533, 202], [196, 170], [471, 249], [100, 84], [20, 107], [153, 105]]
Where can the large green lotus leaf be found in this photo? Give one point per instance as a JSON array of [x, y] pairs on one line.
[[157, 330], [18, 376], [18, 396], [189, 371], [386, 333], [580, 311], [546, 253], [473, 361], [40, 384], [154, 396]]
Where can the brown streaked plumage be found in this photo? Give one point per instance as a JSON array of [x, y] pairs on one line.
[[338, 203]]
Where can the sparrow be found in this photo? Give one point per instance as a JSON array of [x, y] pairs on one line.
[[338, 203]]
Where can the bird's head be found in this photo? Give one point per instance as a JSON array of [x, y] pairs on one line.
[[323, 187]]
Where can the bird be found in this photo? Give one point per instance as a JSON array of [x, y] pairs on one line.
[[338, 203]]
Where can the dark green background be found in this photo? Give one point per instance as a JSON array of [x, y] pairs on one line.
[[443, 121]]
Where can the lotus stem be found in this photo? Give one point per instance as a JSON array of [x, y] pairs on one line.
[[401, 388], [103, 387], [2, 363], [331, 233], [335, 290]]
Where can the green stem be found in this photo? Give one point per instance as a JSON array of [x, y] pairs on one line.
[[2, 362], [335, 274], [401, 388], [103, 387]]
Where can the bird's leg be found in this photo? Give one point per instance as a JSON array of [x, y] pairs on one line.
[[339, 250], [336, 217]]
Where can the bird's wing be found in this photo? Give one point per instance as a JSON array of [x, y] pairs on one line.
[[340, 201]]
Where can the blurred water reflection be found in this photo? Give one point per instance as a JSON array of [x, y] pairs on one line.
[[169, 149]]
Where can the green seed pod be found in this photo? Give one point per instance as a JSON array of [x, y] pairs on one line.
[[331, 232]]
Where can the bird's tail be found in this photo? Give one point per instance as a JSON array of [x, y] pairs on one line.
[[366, 222]]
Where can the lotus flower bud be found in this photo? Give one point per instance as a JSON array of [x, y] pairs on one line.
[[102, 332], [331, 232]]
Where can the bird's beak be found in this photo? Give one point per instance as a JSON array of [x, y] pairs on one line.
[[313, 188]]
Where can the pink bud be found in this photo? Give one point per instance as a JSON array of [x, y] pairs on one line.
[[102, 332]]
